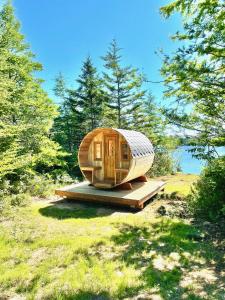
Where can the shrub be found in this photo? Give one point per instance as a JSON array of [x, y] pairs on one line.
[[163, 164], [13, 200], [61, 177], [207, 198], [19, 199], [39, 185]]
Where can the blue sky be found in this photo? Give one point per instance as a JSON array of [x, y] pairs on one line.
[[62, 33]]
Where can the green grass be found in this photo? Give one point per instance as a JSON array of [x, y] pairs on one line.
[[180, 183], [50, 251]]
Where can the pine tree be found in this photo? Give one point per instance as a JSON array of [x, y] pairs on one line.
[[80, 108], [26, 112], [61, 129], [149, 120], [123, 86], [90, 95], [68, 129]]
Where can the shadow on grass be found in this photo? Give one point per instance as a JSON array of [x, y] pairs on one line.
[[174, 260], [64, 213], [69, 209], [85, 296]]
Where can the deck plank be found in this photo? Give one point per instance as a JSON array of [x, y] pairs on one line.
[[141, 192]]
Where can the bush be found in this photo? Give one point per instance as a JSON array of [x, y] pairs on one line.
[[40, 186], [61, 177], [18, 200], [13, 200], [207, 198], [163, 164], [16, 190]]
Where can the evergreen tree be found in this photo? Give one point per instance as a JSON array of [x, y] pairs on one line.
[[80, 108], [61, 128], [26, 112], [123, 86], [89, 94], [194, 75], [68, 128], [149, 120]]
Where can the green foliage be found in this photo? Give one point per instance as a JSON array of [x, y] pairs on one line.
[[40, 186], [90, 95], [208, 195], [80, 109], [18, 200], [29, 185], [148, 119], [12, 195], [28, 147], [124, 88], [10, 202], [163, 163], [194, 75], [26, 112], [68, 128]]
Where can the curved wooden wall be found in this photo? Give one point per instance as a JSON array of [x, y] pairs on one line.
[[139, 161]]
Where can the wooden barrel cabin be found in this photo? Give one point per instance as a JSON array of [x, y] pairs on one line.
[[109, 157]]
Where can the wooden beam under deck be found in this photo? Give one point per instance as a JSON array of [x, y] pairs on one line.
[[140, 193]]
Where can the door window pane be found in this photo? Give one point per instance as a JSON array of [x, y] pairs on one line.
[[98, 151], [124, 151], [110, 148]]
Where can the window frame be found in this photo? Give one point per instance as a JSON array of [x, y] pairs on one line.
[[121, 152], [95, 152]]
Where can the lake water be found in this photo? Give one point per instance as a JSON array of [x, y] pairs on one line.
[[190, 164]]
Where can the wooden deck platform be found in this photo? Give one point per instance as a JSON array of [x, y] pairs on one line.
[[140, 193]]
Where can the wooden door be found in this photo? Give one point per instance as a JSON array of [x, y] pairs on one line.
[[110, 156]]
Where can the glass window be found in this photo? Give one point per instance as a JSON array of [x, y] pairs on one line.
[[110, 148], [97, 151], [124, 151]]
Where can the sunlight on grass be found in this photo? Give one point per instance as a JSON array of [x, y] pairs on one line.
[[180, 183], [50, 252]]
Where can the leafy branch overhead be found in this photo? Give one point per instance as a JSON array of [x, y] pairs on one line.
[[26, 112], [194, 75]]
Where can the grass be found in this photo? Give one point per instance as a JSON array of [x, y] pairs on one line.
[[74, 251], [180, 183]]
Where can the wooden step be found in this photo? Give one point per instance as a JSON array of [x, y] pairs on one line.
[[103, 185]]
